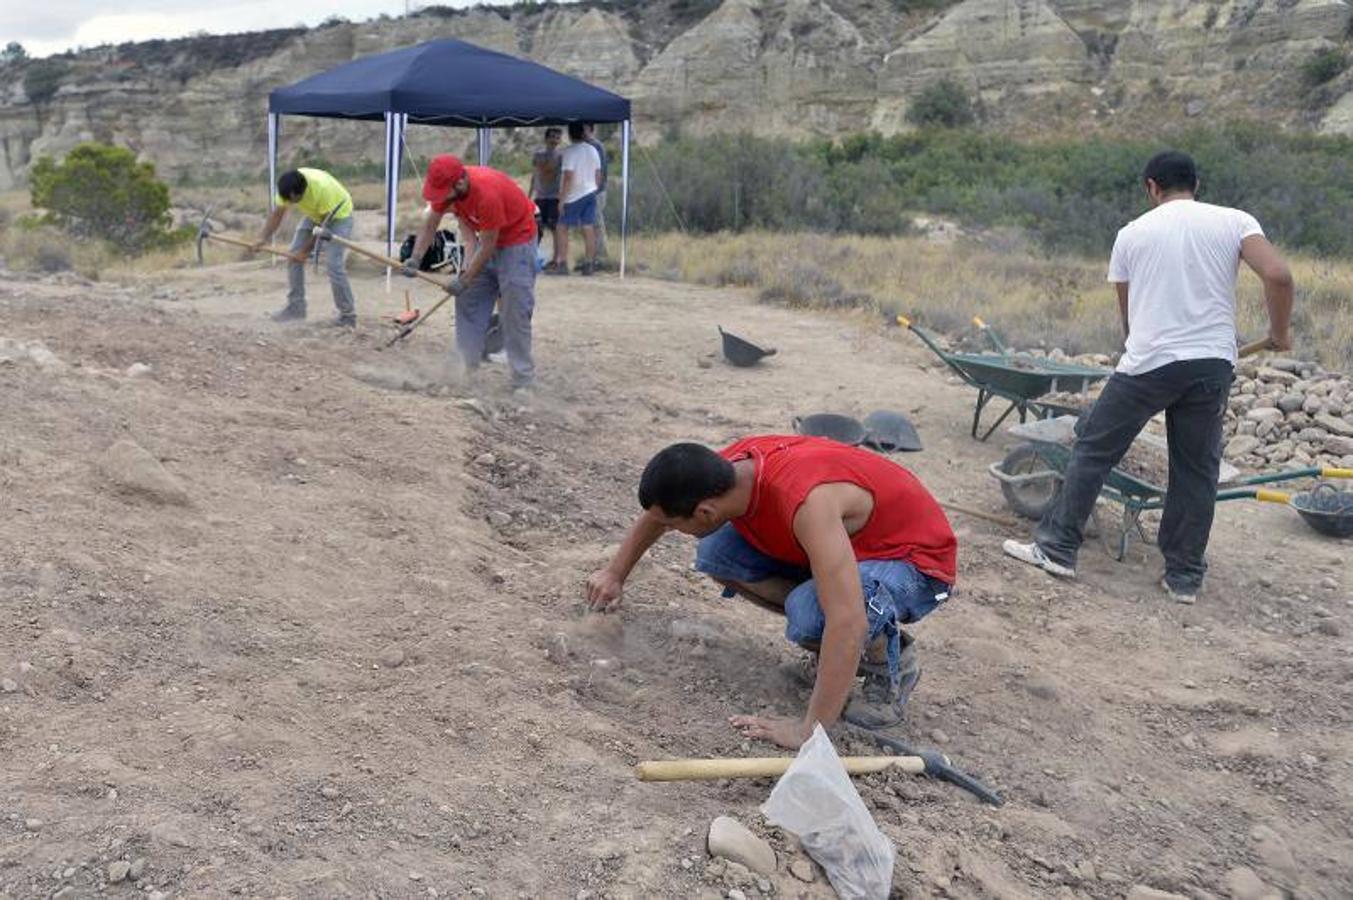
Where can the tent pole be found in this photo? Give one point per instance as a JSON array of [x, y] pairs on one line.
[[485, 137], [274, 134], [394, 137], [624, 191]]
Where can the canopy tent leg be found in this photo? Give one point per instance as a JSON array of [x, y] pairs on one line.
[[624, 191], [485, 136], [394, 143], [274, 133]]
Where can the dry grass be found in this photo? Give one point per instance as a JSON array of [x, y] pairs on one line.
[[1032, 300]]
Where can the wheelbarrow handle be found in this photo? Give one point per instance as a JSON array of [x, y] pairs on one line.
[[1268, 495], [991, 335]]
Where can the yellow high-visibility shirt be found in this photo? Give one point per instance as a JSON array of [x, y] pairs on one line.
[[323, 192]]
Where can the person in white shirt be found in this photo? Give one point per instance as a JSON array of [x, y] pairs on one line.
[[1175, 271], [582, 178]]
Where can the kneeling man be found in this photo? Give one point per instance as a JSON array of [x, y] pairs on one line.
[[847, 545]]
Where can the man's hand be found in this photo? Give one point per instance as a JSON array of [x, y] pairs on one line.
[[457, 286], [604, 590], [299, 257], [783, 731], [1280, 341], [409, 269]]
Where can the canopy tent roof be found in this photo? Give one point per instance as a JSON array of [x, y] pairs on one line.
[[449, 82]]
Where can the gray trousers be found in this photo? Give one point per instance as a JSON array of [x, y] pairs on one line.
[[334, 255], [509, 280], [1193, 394]]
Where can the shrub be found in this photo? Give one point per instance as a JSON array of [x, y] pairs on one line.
[[1324, 66], [42, 78], [945, 103], [100, 191]]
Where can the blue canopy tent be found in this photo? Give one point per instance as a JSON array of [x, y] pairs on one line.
[[451, 83]]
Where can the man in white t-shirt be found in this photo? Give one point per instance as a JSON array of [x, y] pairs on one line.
[[578, 191], [1175, 272]]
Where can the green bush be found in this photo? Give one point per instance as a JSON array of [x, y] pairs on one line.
[[1324, 66], [1069, 195], [945, 103], [99, 191], [42, 78]]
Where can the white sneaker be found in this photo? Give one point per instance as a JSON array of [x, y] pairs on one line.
[[1186, 597], [1034, 556]]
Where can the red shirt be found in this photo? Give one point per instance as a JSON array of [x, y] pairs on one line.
[[906, 523], [495, 203]]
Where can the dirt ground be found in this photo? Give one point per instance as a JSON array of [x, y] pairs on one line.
[[356, 661]]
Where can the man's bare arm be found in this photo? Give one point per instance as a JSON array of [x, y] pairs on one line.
[[605, 585], [821, 531], [1122, 288], [1266, 262], [484, 245], [270, 226]]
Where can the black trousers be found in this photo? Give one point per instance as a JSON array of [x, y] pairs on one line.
[[1193, 395]]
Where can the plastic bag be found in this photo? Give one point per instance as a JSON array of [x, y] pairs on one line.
[[815, 801]]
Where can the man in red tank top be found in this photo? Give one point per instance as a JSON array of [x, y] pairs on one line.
[[846, 544]]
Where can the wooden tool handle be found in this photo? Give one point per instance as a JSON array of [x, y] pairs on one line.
[[248, 245], [382, 258], [978, 514], [768, 767], [1254, 347]]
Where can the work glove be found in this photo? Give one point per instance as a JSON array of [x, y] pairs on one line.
[[408, 270], [456, 286], [322, 234]]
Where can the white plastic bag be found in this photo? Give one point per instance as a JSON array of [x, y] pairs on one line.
[[815, 801]]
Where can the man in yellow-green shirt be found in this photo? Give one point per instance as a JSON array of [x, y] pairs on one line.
[[319, 196]]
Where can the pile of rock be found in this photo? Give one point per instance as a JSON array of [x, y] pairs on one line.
[[1289, 412]]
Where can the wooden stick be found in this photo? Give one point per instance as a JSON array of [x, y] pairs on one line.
[[767, 767], [978, 514], [1254, 347], [248, 245], [385, 260]]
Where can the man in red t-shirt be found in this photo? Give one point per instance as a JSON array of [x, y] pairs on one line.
[[848, 545], [498, 231]]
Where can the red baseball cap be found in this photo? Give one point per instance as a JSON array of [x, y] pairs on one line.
[[443, 173]]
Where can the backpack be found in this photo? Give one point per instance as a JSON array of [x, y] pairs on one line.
[[444, 252]]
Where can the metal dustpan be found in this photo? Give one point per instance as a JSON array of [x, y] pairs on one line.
[[888, 431], [842, 429], [740, 352]]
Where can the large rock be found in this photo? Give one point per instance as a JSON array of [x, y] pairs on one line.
[[730, 839], [134, 471], [1292, 402], [1243, 884], [1334, 425], [1337, 446], [1242, 444]]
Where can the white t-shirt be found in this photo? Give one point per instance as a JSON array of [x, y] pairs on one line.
[[581, 159], [1180, 262]]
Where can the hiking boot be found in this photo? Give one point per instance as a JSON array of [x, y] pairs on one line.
[[587, 268], [1187, 596], [288, 314], [556, 269], [342, 322], [879, 703], [1034, 556]]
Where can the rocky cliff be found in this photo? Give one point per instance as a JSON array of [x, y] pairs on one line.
[[791, 67]]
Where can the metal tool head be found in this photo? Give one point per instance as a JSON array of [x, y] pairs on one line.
[[322, 234], [203, 232]]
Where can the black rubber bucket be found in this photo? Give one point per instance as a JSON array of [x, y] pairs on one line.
[[1326, 509], [888, 431], [742, 353], [842, 429]]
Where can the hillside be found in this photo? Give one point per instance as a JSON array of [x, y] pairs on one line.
[[791, 67]]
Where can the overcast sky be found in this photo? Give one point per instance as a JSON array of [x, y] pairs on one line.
[[51, 26]]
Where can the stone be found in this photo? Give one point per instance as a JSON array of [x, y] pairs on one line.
[[1312, 435], [138, 868], [939, 737], [392, 657], [1272, 849], [138, 370], [1290, 403], [118, 871], [735, 894], [802, 869], [329, 792], [169, 833], [1312, 405], [33, 824], [1265, 428], [1334, 424], [499, 519], [1142, 892], [730, 839], [1264, 414], [1276, 376], [1337, 445], [1242, 444], [9, 685], [133, 470], [485, 459], [1243, 884]]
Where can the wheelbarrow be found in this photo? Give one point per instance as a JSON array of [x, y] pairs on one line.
[[1031, 473], [1018, 378]]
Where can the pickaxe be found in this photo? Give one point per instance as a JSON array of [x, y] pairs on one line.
[[204, 231], [326, 234]]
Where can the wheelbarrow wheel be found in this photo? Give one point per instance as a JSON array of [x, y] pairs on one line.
[[1030, 498]]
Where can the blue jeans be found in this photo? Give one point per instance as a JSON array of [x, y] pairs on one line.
[[895, 592]]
